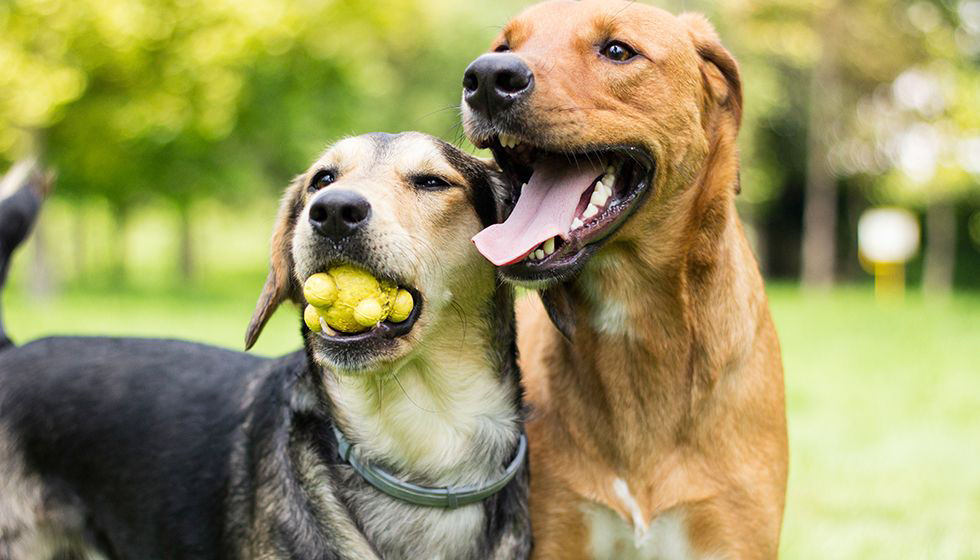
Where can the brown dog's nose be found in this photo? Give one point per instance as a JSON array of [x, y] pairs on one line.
[[338, 213], [494, 82]]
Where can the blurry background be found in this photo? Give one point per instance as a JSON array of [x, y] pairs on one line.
[[175, 124]]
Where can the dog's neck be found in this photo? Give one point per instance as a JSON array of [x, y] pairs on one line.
[[446, 415], [642, 311]]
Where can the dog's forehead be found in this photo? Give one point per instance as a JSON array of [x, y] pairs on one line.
[[403, 154], [557, 20]]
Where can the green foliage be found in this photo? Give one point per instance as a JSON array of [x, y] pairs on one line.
[[138, 102], [185, 99]]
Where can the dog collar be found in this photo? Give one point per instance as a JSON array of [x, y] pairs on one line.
[[449, 497]]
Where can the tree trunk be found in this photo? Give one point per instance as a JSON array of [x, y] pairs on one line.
[[78, 241], [820, 210], [120, 216], [186, 249], [940, 257], [856, 205]]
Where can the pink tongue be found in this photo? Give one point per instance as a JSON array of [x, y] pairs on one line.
[[546, 208]]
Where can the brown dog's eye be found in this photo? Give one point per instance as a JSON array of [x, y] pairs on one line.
[[430, 183], [323, 179], [617, 51], [502, 48]]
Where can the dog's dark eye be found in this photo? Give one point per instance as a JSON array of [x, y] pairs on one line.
[[617, 51], [322, 179], [430, 183], [502, 48]]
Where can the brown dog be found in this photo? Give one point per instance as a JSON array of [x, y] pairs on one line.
[[659, 426]]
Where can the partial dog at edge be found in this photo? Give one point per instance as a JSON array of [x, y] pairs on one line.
[[152, 449], [658, 425]]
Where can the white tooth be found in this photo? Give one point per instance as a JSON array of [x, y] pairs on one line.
[[549, 246], [327, 329], [609, 179], [590, 212], [606, 189], [539, 255], [576, 223], [599, 197]]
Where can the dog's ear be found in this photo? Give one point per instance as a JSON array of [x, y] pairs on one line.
[[280, 285], [719, 68], [493, 196]]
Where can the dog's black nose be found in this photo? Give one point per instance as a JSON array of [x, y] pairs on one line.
[[496, 81], [339, 213]]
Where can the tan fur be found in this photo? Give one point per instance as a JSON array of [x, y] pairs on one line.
[[673, 385]]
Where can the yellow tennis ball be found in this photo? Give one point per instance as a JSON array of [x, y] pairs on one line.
[[368, 313], [402, 308], [312, 318], [320, 290]]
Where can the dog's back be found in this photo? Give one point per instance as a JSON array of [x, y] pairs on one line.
[[136, 430]]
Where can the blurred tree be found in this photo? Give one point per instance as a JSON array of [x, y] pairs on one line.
[[141, 102], [842, 51], [138, 100]]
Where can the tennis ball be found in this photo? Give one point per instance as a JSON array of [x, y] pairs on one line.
[[402, 308]]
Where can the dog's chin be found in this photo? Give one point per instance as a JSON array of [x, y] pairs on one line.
[[358, 361], [635, 169]]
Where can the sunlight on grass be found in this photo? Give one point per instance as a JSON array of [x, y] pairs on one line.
[[884, 415], [883, 403]]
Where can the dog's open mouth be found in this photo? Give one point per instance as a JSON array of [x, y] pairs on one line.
[[385, 330], [565, 204]]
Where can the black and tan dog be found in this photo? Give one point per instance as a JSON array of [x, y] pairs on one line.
[[143, 449]]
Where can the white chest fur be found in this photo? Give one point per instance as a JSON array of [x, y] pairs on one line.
[[613, 538], [448, 416]]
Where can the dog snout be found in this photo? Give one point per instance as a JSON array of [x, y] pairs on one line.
[[339, 213], [495, 82]]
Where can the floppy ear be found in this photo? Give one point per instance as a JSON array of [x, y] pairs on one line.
[[719, 71], [490, 193], [280, 285], [719, 68]]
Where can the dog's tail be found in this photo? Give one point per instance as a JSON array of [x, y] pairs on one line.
[[22, 190]]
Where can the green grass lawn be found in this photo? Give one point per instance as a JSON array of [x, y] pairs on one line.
[[884, 403]]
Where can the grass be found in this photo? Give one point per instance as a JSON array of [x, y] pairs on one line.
[[884, 413], [883, 402]]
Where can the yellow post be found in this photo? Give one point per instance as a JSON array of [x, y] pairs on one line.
[[889, 281]]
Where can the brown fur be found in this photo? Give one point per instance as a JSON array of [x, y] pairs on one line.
[[684, 402]]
